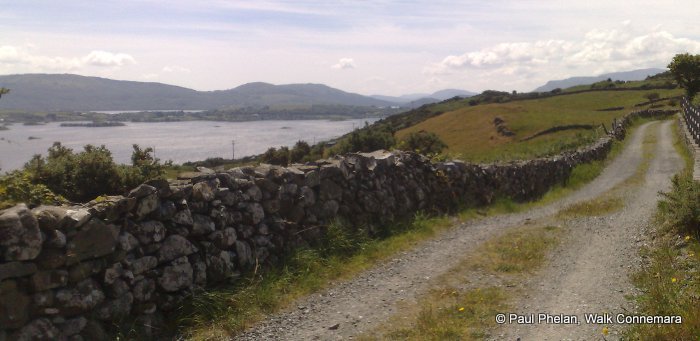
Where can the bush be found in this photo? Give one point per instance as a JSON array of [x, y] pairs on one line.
[[423, 142], [92, 172], [274, 156], [299, 152], [365, 140], [681, 206], [17, 186]]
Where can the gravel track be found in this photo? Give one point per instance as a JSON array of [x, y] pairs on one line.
[[590, 272], [358, 305]]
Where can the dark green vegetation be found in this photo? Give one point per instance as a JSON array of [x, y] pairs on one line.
[[78, 177], [670, 282], [685, 68]]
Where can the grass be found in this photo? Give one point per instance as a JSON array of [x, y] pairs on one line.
[[670, 282], [611, 200], [525, 118], [453, 311], [595, 207], [219, 314]]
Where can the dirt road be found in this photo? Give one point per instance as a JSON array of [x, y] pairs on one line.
[[589, 273]]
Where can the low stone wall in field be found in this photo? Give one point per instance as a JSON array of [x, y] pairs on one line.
[[73, 272]]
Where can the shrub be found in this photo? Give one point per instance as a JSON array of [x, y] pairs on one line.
[[365, 140], [276, 156], [92, 172], [681, 206], [17, 187], [423, 142], [300, 150]]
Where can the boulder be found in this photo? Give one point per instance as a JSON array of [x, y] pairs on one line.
[[49, 217], [146, 205], [16, 269], [50, 279], [141, 191], [175, 246], [14, 306], [52, 258], [330, 190], [223, 239], [73, 326], [203, 191], [254, 193], [176, 276], [244, 254], [148, 232], [115, 309], [95, 239], [143, 289], [20, 237], [219, 266], [39, 329], [202, 225], [143, 264], [85, 296], [183, 217], [255, 212]]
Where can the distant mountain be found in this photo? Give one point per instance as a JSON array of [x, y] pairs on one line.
[[66, 92], [426, 98], [634, 75]]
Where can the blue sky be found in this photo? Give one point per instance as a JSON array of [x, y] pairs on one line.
[[369, 47]]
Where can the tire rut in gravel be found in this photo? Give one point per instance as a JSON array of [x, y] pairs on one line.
[[590, 271], [362, 303]]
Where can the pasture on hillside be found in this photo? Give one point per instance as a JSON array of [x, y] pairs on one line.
[[471, 134]]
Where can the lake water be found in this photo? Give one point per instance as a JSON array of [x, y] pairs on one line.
[[177, 141]]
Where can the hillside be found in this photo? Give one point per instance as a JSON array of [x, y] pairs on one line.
[[66, 92], [471, 131], [634, 75]]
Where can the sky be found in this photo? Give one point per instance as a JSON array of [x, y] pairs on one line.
[[368, 47]]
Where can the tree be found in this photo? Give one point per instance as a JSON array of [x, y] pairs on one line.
[[424, 142], [685, 68], [652, 96], [300, 150], [4, 91]]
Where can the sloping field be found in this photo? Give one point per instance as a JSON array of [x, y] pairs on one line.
[[470, 132]]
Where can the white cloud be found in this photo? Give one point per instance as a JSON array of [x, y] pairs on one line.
[[105, 58], [602, 50], [20, 59], [344, 64]]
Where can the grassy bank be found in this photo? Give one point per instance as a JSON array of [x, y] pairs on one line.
[[670, 282], [528, 117]]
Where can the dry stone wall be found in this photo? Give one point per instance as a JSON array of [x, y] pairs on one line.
[[69, 273]]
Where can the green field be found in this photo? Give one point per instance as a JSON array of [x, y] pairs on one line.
[[470, 133]]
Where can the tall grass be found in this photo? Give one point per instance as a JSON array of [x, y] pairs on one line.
[[670, 282]]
